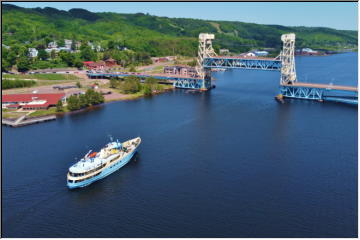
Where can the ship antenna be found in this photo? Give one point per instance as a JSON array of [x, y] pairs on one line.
[[111, 138]]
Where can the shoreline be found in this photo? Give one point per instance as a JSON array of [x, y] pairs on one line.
[[90, 108]]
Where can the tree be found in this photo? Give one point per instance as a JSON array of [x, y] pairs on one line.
[[113, 83], [73, 45], [23, 64], [73, 103], [67, 57], [83, 101], [53, 54], [93, 97], [61, 43], [147, 90], [131, 85], [78, 84], [87, 54], [59, 106], [78, 63], [192, 63], [43, 55], [132, 69]]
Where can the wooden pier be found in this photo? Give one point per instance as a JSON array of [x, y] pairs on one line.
[[22, 121]]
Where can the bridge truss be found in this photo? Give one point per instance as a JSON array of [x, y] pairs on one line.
[[245, 63]]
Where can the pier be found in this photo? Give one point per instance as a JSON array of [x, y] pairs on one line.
[[22, 121]]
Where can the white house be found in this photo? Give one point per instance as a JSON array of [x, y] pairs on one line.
[[261, 53], [68, 43], [248, 54], [224, 51], [308, 50], [52, 44], [33, 52]]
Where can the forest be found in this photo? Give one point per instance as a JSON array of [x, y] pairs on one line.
[[131, 39]]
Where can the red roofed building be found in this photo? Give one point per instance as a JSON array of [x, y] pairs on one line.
[[95, 65], [110, 62], [31, 101]]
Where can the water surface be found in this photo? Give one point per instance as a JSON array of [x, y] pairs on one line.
[[231, 162]]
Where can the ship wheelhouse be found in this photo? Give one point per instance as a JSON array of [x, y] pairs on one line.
[[85, 175]]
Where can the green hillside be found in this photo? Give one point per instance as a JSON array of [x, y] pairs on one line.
[[147, 35]]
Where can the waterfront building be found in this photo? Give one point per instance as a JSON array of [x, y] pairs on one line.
[[33, 101], [180, 70], [96, 66], [110, 62]]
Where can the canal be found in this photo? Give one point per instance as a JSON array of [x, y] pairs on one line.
[[231, 162]]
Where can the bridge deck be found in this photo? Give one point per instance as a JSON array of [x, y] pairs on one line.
[[247, 58], [323, 86]]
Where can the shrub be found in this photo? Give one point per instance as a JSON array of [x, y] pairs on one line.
[[7, 84]]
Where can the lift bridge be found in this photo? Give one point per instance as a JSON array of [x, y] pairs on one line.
[[285, 63]]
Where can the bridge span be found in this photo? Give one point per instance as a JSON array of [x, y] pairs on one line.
[[260, 63]]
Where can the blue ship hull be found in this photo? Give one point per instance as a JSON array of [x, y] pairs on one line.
[[104, 173]]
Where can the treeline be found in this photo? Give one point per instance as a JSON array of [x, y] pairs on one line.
[[90, 98], [8, 84]]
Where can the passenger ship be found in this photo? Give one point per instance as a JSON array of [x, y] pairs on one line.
[[97, 165]]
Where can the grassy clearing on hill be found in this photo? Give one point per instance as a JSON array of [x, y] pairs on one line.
[[40, 76]]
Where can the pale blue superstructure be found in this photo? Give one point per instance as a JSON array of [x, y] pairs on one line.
[[109, 167]]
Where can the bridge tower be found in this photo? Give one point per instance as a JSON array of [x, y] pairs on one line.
[[288, 72], [205, 51]]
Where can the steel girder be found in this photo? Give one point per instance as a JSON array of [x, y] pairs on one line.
[[302, 92], [260, 64], [188, 83], [319, 94]]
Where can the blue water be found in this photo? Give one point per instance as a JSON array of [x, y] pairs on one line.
[[231, 162]]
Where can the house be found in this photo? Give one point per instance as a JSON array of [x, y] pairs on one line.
[[261, 53], [96, 66], [49, 50], [77, 44], [309, 51], [247, 54], [224, 51], [163, 59], [52, 44], [110, 62], [33, 52], [180, 70], [68, 43], [33, 101], [66, 49], [94, 86]]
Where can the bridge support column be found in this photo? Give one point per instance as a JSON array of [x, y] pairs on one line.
[[288, 72], [205, 51]]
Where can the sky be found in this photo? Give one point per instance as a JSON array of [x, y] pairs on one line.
[[338, 15]]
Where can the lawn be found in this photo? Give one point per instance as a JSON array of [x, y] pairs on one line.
[[49, 111], [7, 114]]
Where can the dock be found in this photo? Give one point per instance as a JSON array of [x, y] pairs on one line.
[[22, 121]]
